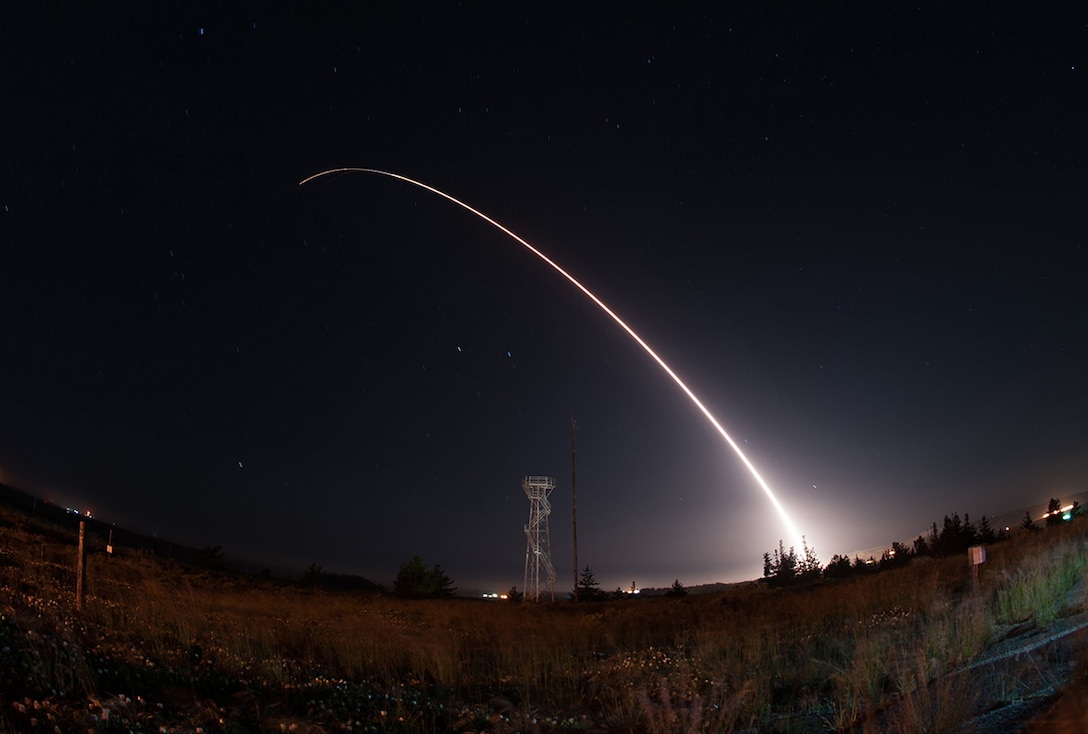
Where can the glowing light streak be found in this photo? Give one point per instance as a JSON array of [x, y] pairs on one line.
[[797, 539]]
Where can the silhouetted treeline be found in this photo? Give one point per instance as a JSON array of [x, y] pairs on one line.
[[952, 537], [785, 568]]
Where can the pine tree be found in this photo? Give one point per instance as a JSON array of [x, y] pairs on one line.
[[411, 579], [985, 532], [970, 534], [838, 568], [440, 585], [415, 581], [810, 563], [677, 589], [314, 576], [894, 557], [1027, 523], [1054, 512], [588, 588], [782, 568]]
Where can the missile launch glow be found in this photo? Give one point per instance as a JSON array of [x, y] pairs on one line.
[[797, 540]]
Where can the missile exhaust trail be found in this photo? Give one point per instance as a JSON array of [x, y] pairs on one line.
[[798, 541]]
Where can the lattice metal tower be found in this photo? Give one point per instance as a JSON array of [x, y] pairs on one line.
[[539, 573]]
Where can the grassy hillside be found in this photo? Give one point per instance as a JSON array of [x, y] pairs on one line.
[[163, 647]]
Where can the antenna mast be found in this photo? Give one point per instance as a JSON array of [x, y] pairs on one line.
[[574, 505]]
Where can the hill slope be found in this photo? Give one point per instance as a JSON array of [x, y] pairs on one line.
[[166, 646]]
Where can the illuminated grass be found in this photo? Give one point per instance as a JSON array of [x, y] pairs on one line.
[[1038, 588]]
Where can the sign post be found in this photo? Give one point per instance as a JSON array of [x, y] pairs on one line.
[[976, 554]]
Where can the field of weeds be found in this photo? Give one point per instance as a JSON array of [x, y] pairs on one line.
[[160, 647]]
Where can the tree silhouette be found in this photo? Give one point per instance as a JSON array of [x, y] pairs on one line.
[[415, 581], [865, 566], [588, 587], [441, 584], [411, 579], [838, 568], [986, 533], [1053, 512], [677, 589], [897, 555], [970, 534], [1027, 523], [313, 576], [809, 565], [955, 536], [784, 568]]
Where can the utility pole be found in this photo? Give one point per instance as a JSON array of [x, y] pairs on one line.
[[574, 505]]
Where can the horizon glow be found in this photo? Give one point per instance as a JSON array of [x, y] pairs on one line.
[[798, 539]]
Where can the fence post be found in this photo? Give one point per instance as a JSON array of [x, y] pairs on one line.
[[81, 568]]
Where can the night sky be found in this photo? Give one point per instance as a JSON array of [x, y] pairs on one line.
[[856, 231]]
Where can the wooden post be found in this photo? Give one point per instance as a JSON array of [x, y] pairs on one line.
[[81, 567]]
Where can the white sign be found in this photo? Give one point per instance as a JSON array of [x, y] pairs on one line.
[[977, 554]]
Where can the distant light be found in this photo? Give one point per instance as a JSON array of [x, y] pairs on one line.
[[1066, 513]]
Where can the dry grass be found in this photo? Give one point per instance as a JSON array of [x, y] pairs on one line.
[[160, 647]]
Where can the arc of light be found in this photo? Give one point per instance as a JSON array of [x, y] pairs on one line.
[[798, 540]]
